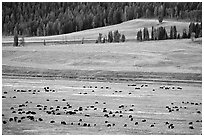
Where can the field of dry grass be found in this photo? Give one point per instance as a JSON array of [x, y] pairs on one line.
[[171, 56]]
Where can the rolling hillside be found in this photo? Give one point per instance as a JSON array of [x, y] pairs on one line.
[[172, 57]]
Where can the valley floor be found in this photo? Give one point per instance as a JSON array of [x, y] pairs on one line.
[[101, 107], [152, 87]]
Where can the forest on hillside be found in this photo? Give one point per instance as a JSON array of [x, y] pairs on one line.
[[53, 18]]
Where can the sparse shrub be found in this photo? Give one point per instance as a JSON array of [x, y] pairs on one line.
[[123, 38]]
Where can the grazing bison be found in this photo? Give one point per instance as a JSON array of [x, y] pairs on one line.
[[52, 121], [63, 123], [109, 125], [10, 119], [152, 125]]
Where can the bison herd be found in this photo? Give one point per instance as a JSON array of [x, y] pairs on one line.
[[38, 112]]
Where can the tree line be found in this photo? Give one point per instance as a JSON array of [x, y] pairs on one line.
[[160, 33], [53, 18]]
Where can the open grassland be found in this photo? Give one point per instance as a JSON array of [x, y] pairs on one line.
[[80, 107], [169, 56], [151, 87]]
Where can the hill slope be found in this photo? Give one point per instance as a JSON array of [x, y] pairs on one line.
[[128, 28]]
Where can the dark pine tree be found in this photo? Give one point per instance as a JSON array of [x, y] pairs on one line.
[[15, 43]]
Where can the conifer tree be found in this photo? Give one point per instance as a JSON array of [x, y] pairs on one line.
[[15, 43], [139, 35], [152, 33], [116, 36], [161, 13], [184, 36], [174, 32], [110, 36], [145, 34], [191, 28], [197, 30], [123, 38], [171, 32]]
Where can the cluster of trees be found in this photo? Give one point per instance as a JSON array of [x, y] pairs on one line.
[[161, 33], [114, 36], [196, 28], [156, 34], [173, 33], [52, 18], [101, 38]]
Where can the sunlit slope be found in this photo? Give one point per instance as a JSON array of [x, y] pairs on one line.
[[128, 28]]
